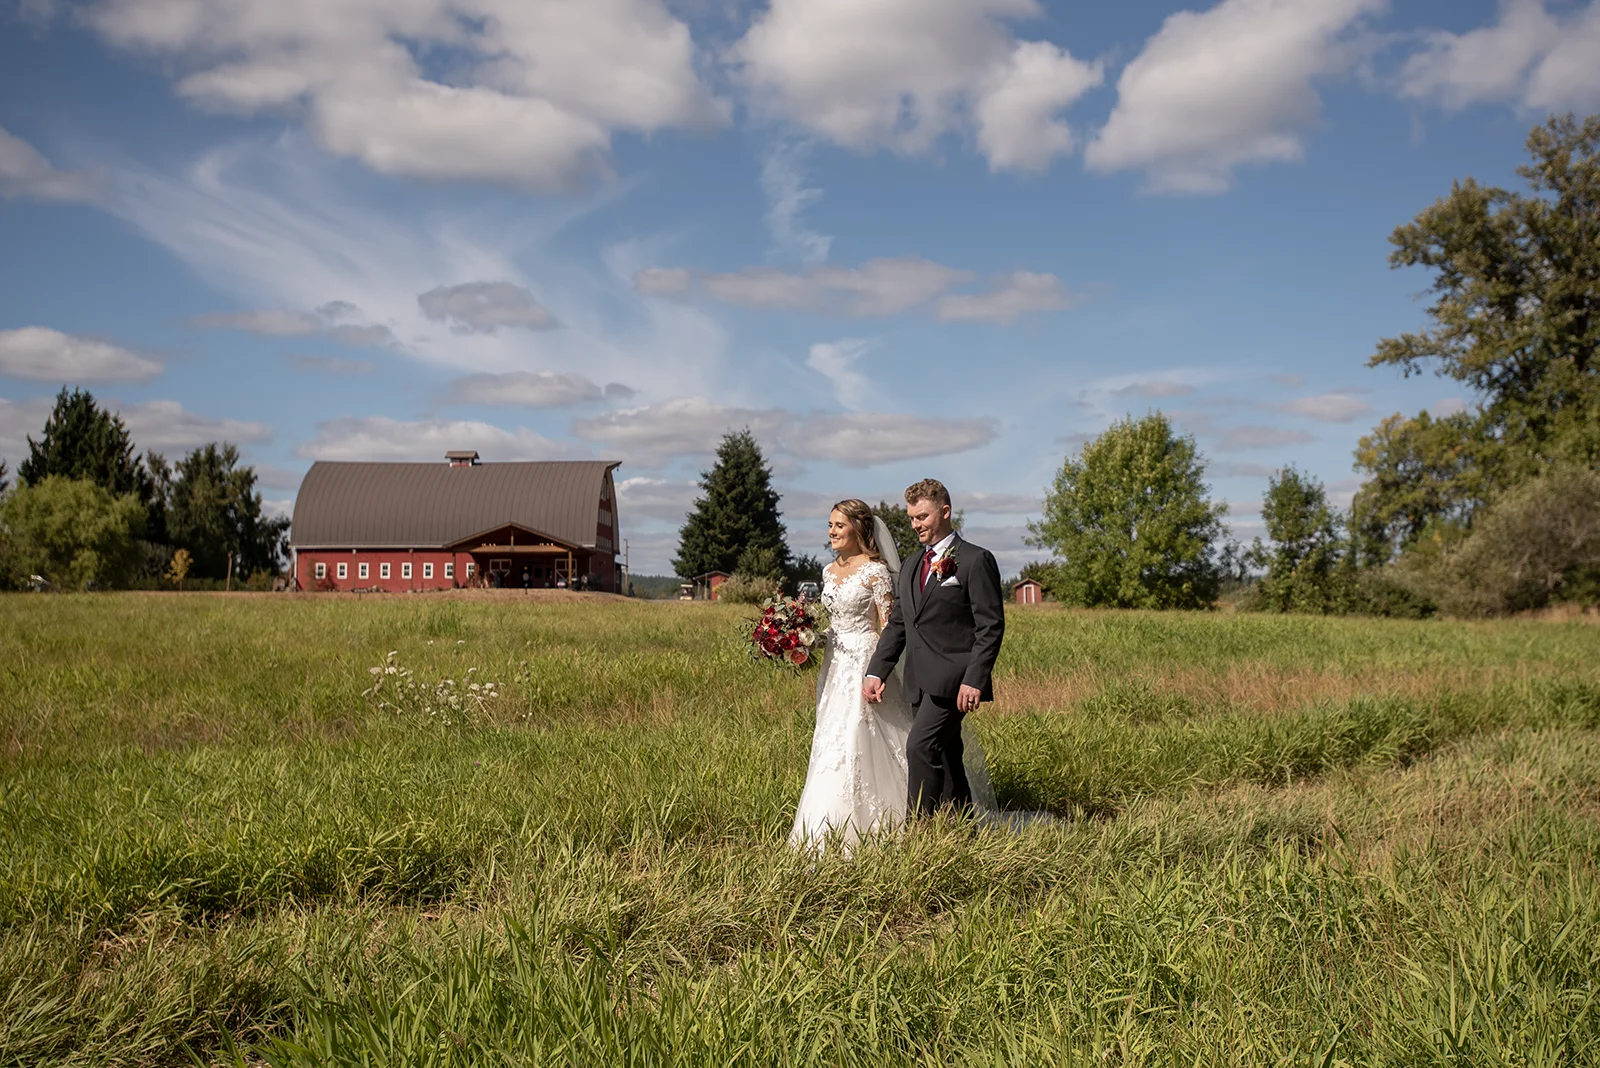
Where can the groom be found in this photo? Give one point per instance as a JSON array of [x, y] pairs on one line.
[[948, 619]]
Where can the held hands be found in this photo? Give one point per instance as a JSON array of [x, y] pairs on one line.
[[967, 698], [872, 690]]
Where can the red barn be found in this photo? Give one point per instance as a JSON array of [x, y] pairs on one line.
[[1027, 592], [408, 526]]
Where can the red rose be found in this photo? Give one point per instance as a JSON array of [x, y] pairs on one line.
[[798, 657]]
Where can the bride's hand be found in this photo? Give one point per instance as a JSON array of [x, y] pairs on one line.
[[872, 690]]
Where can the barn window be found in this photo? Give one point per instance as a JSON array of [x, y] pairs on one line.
[[427, 570], [362, 570], [605, 517], [344, 571], [405, 570], [322, 571], [383, 570], [450, 570], [472, 569]]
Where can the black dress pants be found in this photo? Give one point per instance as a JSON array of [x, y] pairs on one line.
[[933, 754]]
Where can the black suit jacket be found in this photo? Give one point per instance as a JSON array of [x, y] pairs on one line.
[[949, 633]]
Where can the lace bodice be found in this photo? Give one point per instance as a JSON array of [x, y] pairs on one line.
[[851, 601]]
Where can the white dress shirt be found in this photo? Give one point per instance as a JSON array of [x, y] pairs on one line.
[[940, 546]]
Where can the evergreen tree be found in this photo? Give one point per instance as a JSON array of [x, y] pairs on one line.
[[1130, 523], [215, 513], [737, 512], [5, 483], [83, 441]]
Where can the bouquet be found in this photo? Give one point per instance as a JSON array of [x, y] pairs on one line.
[[786, 632]]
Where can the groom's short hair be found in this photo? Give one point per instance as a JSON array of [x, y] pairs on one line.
[[929, 489]]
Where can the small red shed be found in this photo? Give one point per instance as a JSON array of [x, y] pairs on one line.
[[1027, 592]]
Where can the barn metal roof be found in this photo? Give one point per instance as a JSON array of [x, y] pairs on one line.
[[404, 505]]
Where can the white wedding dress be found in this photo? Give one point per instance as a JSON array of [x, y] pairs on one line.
[[856, 782]]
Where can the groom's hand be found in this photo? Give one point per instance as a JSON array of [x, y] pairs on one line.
[[872, 690], [967, 698]]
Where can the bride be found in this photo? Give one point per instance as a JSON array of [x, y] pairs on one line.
[[856, 782]]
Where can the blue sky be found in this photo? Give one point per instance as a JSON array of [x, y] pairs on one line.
[[895, 238]]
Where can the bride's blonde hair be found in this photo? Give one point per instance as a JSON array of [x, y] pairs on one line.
[[859, 513]]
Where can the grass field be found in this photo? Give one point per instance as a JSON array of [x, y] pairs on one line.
[[1282, 840]]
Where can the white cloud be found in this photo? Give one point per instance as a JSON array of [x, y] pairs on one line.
[[1237, 438], [654, 498], [269, 476], [876, 288], [783, 181], [863, 439], [283, 507], [525, 389], [1014, 295], [535, 87], [837, 362], [484, 307], [379, 437], [690, 426], [1326, 407], [364, 335], [1017, 124], [1000, 503], [18, 419], [282, 322], [1231, 86], [1154, 388], [662, 281], [902, 73], [683, 426], [331, 365], [41, 354], [1530, 57], [1448, 406], [24, 172], [164, 425], [1232, 469], [268, 322]]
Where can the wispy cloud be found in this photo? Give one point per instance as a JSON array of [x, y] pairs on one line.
[[783, 181]]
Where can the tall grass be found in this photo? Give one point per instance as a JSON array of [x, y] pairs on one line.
[[1278, 840]]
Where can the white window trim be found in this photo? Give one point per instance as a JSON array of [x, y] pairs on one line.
[[383, 570], [405, 570], [472, 569], [450, 569], [344, 570], [363, 570], [322, 570], [427, 570]]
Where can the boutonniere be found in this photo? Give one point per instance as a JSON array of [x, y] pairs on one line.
[[943, 567]]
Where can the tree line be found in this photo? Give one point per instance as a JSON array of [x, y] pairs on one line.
[[1489, 510], [1492, 509], [87, 511]]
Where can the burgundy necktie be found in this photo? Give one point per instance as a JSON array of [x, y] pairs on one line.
[[927, 566]]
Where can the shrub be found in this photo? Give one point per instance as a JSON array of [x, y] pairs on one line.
[[746, 589], [1537, 544]]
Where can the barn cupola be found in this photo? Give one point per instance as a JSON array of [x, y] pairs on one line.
[[462, 458]]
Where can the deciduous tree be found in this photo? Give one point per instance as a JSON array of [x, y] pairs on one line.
[[1303, 561], [1516, 319], [1130, 522], [73, 532]]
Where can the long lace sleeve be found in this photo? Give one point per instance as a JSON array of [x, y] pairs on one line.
[[882, 587]]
